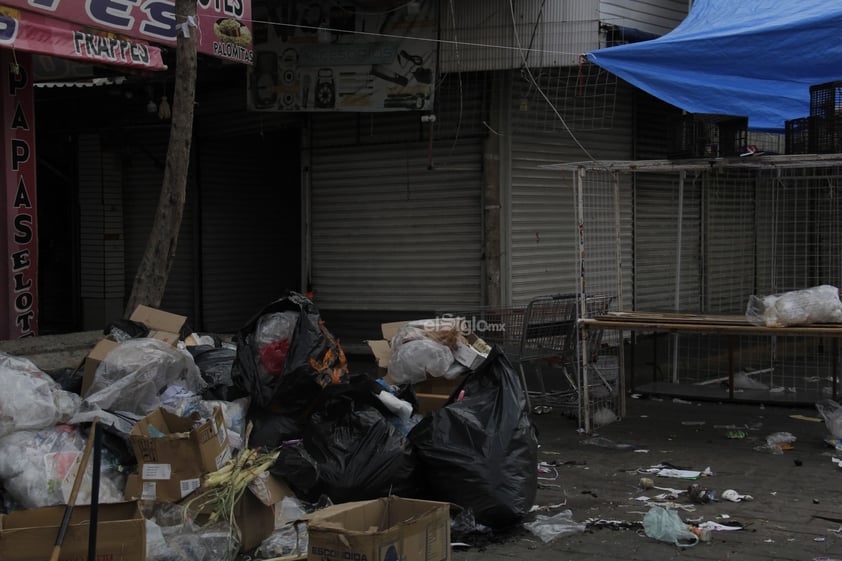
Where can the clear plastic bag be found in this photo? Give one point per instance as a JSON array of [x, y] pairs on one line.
[[31, 399], [665, 525], [135, 373], [819, 304], [551, 527], [38, 468], [289, 540], [831, 412], [414, 360]]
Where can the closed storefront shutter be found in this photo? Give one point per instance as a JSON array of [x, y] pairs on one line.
[[543, 230]]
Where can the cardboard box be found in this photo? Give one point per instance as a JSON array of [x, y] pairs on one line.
[[386, 529], [434, 392], [93, 360], [29, 535], [173, 454], [162, 325]]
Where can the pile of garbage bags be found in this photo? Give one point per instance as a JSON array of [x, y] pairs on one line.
[[282, 385]]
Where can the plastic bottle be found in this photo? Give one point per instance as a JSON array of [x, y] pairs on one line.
[[396, 405]]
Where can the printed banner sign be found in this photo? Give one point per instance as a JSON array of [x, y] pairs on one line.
[[34, 33], [223, 26], [19, 305], [331, 55]]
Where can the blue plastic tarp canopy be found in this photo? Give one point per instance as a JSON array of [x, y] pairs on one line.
[[749, 58]]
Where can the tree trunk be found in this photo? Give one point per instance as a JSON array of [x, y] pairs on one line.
[[154, 269]]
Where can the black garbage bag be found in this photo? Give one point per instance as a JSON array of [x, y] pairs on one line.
[[287, 375], [481, 452], [271, 430], [350, 451], [215, 364]]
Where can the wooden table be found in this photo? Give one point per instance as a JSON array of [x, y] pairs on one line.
[[728, 325]]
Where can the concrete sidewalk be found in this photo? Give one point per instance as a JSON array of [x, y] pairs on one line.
[[53, 352]]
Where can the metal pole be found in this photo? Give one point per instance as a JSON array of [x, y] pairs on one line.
[[677, 302], [581, 340], [618, 258]]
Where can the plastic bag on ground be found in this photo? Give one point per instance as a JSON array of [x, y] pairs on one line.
[[289, 540], [831, 412], [313, 361], [551, 527], [666, 526], [31, 399], [818, 304], [135, 373], [480, 451]]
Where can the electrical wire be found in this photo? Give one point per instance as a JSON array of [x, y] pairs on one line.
[[402, 37], [525, 66]]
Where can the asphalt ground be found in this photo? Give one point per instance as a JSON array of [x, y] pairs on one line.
[[597, 478]]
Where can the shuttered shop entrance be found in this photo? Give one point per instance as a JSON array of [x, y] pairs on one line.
[[542, 217], [390, 234]]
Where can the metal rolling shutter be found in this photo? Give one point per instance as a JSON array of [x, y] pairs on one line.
[[250, 229], [390, 234], [102, 274], [656, 243], [143, 175], [542, 218], [729, 241]]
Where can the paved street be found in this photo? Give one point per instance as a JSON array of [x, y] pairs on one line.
[[601, 483]]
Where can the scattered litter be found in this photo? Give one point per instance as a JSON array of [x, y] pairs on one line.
[[819, 539], [717, 527], [641, 450], [607, 443], [701, 495], [684, 401], [664, 470], [601, 523], [805, 418], [743, 381], [692, 423], [665, 525], [549, 528], [778, 442], [831, 412], [536, 508], [735, 434], [734, 497], [603, 416]]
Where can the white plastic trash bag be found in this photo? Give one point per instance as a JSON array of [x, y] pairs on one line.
[[414, 360], [819, 304], [30, 399], [38, 468], [135, 373]]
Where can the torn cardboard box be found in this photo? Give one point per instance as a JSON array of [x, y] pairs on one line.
[[386, 529], [173, 453], [29, 535]]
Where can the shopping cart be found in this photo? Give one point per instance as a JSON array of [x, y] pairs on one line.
[[545, 329]]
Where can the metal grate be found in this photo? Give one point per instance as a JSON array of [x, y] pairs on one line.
[[762, 225]]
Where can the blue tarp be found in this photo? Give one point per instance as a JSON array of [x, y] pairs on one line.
[[750, 58]]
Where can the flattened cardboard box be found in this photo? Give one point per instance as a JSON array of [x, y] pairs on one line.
[[29, 535], [172, 454], [162, 325], [386, 529]]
